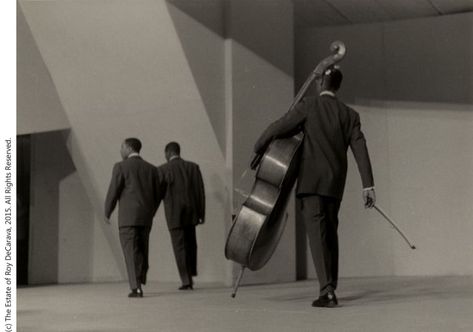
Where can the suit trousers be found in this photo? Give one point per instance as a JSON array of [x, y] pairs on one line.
[[184, 244], [135, 245], [320, 214]]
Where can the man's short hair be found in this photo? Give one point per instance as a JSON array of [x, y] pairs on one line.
[[173, 147], [133, 143], [333, 78]]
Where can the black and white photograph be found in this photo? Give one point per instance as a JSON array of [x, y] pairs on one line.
[[237, 165]]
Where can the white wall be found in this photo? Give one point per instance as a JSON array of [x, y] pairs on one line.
[[432, 185], [423, 165], [411, 81]]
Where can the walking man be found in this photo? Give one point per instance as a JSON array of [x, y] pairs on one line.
[[135, 186], [184, 204], [329, 128]]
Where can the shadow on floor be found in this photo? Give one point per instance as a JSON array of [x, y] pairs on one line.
[[386, 293]]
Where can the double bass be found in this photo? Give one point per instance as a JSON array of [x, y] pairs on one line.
[[260, 222]]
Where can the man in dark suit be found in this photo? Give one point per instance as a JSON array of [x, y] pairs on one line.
[[330, 127], [184, 204], [135, 185]]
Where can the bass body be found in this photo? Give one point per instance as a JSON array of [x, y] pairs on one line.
[[257, 228]]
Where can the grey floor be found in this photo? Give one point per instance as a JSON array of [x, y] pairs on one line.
[[367, 304]]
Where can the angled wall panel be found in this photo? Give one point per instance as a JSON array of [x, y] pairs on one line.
[[203, 46], [39, 108]]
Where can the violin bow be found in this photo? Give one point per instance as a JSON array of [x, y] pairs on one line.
[[393, 224]]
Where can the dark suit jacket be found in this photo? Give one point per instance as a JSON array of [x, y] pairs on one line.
[[329, 127], [184, 199], [135, 185]]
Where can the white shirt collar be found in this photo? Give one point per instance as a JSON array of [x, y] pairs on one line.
[[133, 154], [327, 93], [174, 157]]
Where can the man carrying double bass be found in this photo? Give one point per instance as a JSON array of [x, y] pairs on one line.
[[330, 127]]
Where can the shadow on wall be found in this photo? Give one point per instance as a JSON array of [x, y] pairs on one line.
[[204, 52], [468, 70], [412, 60], [38, 106], [61, 218], [203, 26], [95, 203], [242, 21]]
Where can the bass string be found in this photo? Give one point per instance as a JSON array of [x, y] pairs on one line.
[[238, 188]]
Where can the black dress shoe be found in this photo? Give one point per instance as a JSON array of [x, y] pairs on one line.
[[328, 300], [186, 287], [136, 293]]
